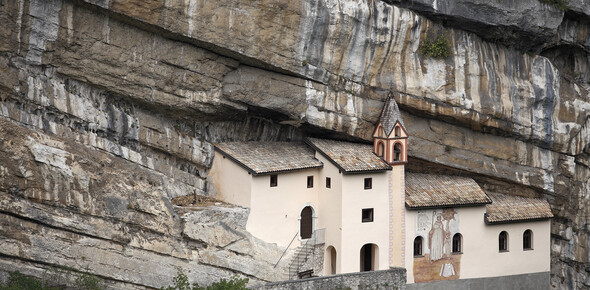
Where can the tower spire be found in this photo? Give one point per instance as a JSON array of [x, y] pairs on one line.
[[390, 136]]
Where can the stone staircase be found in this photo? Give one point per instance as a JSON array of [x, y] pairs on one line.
[[300, 266]]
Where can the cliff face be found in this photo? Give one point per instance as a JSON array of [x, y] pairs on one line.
[[108, 110]]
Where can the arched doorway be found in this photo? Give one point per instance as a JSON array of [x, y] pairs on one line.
[[306, 223], [330, 260], [369, 257]]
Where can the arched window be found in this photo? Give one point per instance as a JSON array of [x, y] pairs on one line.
[[503, 242], [457, 243], [306, 223], [418, 246], [397, 151], [397, 131], [527, 240], [380, 149]]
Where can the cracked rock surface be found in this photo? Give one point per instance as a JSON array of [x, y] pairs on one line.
[[108, 110]]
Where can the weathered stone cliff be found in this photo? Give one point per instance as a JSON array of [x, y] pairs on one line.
[[108, 110]]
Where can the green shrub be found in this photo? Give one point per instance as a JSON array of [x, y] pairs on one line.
[[87, 281], [559, 4], [436, 45], [180, 282], [234, 283], [18, 281]]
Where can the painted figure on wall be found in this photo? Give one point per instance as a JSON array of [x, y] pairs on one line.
[[436, 238], [438, 261]]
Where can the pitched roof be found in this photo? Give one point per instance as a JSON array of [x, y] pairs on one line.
[[431, 190], [508, 208], [390, 115], [349, 157], [269, 157]]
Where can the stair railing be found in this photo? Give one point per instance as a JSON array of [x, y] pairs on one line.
[[296, 233]]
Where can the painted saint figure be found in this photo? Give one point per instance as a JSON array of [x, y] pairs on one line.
[[436, 238]]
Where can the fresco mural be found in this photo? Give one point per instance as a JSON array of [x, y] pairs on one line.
[[437, 228]]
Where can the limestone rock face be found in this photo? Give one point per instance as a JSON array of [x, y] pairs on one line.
[[73, 205], [507, 22], [108, 110], [579, 6]]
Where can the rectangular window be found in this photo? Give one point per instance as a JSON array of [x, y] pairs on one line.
[[309, 181], [328, 182], [368, 183], [367, 215], [274, 180]]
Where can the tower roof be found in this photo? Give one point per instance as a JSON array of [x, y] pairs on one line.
[[390, 115]]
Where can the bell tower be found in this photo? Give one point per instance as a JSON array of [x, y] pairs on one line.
[[390, 142], [390, 139]]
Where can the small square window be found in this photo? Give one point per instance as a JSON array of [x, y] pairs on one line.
[[367, 215], [309, 181], [368, 183], [328, 182], [274, 180]]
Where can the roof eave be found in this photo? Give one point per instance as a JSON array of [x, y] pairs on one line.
[[285, 170], [365, 171], [447, 205], [485, 217]]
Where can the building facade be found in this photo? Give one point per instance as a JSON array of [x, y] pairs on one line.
[[358, 203]]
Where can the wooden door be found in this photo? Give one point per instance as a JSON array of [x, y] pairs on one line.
[[306, 226]]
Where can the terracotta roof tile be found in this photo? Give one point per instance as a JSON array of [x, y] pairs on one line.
[[270, 157], [390, 115], [508, 208], [430, 190], [349, 157]]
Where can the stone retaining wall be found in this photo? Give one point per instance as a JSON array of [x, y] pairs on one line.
[[394, 278], [531, 281]]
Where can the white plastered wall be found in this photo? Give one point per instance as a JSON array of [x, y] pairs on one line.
[[231, 181], [355, 233], [397, 216], [330, 213], [481, 257], [275, 211]]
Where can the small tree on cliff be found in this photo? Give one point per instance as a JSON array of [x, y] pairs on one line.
[[436, 45]]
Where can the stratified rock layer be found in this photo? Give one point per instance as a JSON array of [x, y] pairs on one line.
[[108, 110]]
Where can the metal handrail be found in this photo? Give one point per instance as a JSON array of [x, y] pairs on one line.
[[287, 248]]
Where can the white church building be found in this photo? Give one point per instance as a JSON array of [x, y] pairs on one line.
[[358, 204]]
